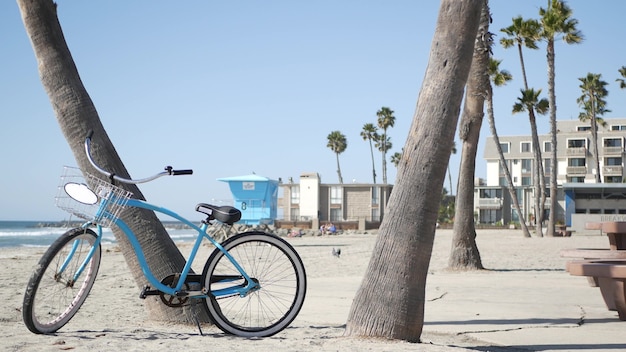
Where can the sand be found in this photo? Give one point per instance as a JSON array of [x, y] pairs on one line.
[[525, 301]]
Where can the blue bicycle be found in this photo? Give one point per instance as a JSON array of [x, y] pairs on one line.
[[253, 284]]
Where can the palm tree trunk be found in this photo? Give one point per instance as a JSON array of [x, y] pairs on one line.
[[77, 115], [390, 301], [505, 167], [553, 140], [385, 159], [373, 164], [338, 169], [594, 143], [521, 60], [464, 253], [537, 174]]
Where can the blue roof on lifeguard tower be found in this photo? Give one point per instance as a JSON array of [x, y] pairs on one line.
[[256, 196], [251, 177]]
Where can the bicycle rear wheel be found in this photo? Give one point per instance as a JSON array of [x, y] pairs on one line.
[[53, 295], [271, 262]]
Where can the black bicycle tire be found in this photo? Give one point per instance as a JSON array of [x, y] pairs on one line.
[[30, 313], [212, 305]]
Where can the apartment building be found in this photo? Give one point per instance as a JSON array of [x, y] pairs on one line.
[[580, 197], [311, 200]]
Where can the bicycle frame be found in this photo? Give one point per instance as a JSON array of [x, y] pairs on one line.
[[154, 282]]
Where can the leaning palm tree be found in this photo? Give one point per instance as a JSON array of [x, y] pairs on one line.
[[77, 115], [500, 78], [337, 143], [522, 33], [369, 133], [530, 102], [385, 120], [593, 103], [526, 33], [556, 22]]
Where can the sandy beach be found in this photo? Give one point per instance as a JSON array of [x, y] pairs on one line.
[[525, 301]]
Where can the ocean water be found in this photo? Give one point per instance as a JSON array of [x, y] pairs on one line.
[[43, 233]]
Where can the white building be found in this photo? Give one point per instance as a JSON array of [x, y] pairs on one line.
[[358, 205], [580, 198]]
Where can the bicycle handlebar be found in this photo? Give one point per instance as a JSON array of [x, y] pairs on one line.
[[169, 171]]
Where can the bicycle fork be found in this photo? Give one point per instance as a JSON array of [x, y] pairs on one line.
[[71, 254]]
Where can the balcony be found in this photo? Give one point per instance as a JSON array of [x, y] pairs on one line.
[[613, 170], [576, 151], [490, 203], [576, 170], [613, 150]]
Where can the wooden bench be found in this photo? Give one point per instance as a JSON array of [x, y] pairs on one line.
[[611, 276]]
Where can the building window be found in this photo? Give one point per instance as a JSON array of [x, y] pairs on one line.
[[576, 143], [295, 195], [505, 147], [527, 166], [613, 179], [547, 147], [618, 128], [502, 181], [527, 181], [375, 196], [583, 128], [490, 216], [612, 142], [375, 214], [335, 214], [514, 215], [577, 179], [336, 195], [508, 164], [525, 147], [576, 162], [294, 214], [491, 193], [547, 166], [612, 161]]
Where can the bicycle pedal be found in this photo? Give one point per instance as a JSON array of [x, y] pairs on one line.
[[146, 291]]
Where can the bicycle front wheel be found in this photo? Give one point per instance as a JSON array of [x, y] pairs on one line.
[[271, 262], [54, 292]]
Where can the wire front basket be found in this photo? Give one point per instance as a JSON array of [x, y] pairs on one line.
[[90, 198]]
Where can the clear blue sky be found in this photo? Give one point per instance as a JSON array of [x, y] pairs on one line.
[[234, 87]]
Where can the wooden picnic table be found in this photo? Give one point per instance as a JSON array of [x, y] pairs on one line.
[[608, 269], [616, 232]]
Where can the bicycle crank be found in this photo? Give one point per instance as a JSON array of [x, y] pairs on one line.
[[182, 297]]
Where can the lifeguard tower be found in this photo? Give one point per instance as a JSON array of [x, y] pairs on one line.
[[256, 196]]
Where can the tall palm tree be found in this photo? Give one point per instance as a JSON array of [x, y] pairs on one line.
[[526, 33], [593, 104], [405, 240], [530, 102], [385, 121], [500, 78], [521, 33], [369, 133], [337, 143], [556, 22], [77, 115], [464, 253]]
